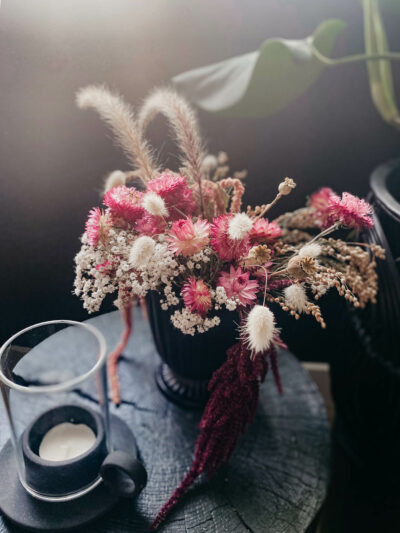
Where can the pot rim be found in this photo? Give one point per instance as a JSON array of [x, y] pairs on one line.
[[378, 183]]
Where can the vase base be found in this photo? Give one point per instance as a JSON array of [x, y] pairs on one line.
[[187, 393]]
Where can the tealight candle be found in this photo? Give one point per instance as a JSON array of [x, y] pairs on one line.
[[66, 441]]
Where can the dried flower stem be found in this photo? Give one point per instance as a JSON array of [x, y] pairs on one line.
[[268, 206], [112, 362], [327, 231]]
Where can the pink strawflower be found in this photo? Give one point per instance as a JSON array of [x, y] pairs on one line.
[[350, 211], [124, 203], [187, 237], [177, 196], [320, 199], [150, 225], [97, 226], [224, 246], [264, 231], [320, 202], [105, 268], [196, 296], [238, 285]]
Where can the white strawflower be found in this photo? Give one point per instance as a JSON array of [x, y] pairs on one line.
[[259, 328], [239, 226], [114, 179], [141, 251], [295, 295], [310, 250], [154, 204]]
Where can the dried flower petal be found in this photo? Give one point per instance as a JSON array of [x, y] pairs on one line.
[[238, 285], [196, 296], [351, 211], [187, 237]]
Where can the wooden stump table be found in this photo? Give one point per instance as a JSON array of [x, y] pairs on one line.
[[275, 481]]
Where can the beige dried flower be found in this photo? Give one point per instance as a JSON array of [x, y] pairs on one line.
[[294, 267], [209, 164], [258, 255], [286, 186], [308, 265], [222, 158], [300, 267]]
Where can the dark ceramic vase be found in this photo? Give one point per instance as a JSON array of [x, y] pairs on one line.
[[365, 372], [188, 362]]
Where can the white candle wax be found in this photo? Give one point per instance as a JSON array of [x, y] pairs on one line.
[[66, 441]]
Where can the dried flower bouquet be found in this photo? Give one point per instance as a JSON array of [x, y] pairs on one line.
[[186, 236]]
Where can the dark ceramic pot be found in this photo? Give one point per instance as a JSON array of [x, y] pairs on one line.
[[188, 361], [365, 372]]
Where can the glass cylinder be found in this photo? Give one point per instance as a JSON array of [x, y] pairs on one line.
[[53, 382]]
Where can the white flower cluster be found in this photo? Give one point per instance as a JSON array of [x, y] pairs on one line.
[[161, 269], [94, 266], [170, 298], [192, 323], [221, 299], [203, 256], [93, 283], [133, 266]]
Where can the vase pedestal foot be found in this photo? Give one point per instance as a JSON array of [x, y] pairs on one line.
[[187, 393]]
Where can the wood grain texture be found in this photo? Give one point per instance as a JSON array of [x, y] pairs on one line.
[[276, 480]]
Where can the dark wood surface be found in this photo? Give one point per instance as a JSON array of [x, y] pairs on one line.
[[276, 480]]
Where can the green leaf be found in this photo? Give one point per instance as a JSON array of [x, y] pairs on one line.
[[260, 83], [379, 72]]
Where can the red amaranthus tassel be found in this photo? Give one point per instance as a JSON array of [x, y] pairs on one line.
[[112, 363], [231, 407]]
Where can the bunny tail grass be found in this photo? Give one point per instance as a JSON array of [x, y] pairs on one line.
[[183, 122], [119, 116]]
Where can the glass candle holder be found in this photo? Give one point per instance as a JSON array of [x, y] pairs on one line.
[[53, 382]]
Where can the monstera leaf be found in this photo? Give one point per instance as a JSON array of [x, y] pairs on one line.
[[260, 83], [379, 72]]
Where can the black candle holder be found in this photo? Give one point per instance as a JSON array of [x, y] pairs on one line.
[[121, 474], [69, 476], [50, 495]]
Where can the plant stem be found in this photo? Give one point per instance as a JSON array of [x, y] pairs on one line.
[[112, 363], [268, 206], [325, 232], [389, 56]]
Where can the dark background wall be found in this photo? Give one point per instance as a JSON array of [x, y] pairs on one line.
[[53, 157]]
